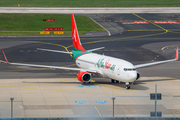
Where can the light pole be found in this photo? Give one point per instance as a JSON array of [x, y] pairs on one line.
[[156, 100], [156, 96], [11, 106], [113, 98]]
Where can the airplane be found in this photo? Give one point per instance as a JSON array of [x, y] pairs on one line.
[[118, 70]]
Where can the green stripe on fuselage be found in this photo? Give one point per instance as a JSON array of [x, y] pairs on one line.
[[77, 53]]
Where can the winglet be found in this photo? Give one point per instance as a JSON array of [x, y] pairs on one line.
[[5, 56], [177, 54]]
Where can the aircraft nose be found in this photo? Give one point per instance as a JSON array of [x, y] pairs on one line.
[[132, 76]]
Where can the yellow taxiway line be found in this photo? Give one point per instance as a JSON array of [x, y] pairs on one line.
[[98, 112]]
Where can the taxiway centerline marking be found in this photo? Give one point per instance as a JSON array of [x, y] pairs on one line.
[[147, 30], [174, 32], [98, 112], [155, 30], [149, 21], [120, 39], [51, 44], [155, 24]]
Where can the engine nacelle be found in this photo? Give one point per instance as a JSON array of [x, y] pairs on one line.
[[84, 77], [138, 76]]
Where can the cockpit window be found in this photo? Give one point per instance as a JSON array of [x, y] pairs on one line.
[[129, 69]]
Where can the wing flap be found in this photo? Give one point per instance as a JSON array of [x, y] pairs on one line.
[[47, 66], [55, 67]]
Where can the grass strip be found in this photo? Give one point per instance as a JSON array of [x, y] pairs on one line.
[[34, 22], [90, 3]]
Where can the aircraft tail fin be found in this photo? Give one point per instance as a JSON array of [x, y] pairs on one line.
[[75, 36]]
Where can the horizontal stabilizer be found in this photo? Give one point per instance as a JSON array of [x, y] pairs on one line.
[[54, 51], [95, 49]]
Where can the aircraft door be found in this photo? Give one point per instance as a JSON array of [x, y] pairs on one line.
[[119, 70]]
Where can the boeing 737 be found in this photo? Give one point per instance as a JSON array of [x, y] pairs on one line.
[[118, 70]]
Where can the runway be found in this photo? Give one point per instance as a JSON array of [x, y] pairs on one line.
[[57, 93], [87, 10]]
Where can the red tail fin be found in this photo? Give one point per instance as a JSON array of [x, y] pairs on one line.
[[75, 36]]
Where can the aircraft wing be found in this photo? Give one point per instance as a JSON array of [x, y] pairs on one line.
[[46, 66], [160, 62]]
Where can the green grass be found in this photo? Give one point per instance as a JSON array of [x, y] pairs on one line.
[[34, 22], [90, 3], [35, 34]]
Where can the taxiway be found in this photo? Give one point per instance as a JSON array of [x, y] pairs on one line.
[[57, 93]]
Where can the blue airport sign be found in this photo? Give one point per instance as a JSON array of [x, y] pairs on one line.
[[80, 101], [101, 101]]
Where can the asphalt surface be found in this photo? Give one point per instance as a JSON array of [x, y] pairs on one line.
[[134, 45], [46, 92], [133, 50], [90, 10]]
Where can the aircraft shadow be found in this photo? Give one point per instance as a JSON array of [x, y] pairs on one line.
[[117, 85], [144, 81]]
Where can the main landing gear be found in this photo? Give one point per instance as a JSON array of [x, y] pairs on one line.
[[127, 85], [115, 81]]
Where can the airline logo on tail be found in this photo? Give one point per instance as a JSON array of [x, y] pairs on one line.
[[75, 36]]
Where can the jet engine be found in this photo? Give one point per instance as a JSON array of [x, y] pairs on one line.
[[138, 76], [84, 77]]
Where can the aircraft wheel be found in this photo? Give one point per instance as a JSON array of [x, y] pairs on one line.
[[116, 81], [127, 86], [112, 80]]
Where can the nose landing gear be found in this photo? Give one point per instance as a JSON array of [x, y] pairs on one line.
[[116, 81], [127, 85]]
